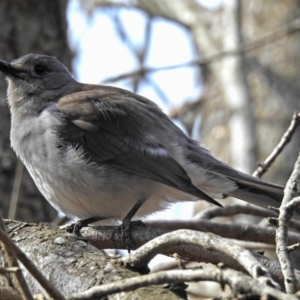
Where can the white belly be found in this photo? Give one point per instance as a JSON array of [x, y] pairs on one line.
[[80, 189]]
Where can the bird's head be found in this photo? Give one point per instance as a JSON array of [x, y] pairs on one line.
[[36, 78]]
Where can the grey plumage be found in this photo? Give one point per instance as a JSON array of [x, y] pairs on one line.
[[95, 150]]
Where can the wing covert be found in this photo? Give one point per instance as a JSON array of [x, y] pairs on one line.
[[114, 128]]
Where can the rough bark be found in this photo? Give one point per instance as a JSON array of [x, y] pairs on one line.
[[73, 265]]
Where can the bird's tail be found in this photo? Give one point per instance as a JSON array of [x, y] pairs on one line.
[[259, 192], [248, 188]]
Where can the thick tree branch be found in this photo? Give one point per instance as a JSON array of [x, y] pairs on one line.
[[71, 264], [21, 256], [101, 237]]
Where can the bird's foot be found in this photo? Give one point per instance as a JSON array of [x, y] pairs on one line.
[[126, 228], [75, 227]]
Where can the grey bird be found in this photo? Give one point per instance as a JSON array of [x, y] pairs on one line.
[[102, 152]]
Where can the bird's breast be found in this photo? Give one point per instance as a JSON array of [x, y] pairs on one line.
[[71, 183]]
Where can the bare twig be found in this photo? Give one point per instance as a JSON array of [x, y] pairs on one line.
[[101, 238], [16, 190], [207, 241], [293, 247], [141, 54], [239, 231], [4, 271], [21, 256], [274, 209], [278, 149], [231, 210], [282, 32], [239, 282], [282, 248], [180, 262], [285, 215], [12, 263]]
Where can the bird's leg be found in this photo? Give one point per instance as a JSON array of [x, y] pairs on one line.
[[127, 224], [75, 227]]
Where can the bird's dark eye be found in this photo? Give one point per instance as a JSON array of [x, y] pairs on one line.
[[39, 69]]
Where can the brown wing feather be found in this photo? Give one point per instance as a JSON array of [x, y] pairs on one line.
[[111, 130]]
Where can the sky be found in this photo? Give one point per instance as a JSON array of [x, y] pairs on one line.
[[101, 54]]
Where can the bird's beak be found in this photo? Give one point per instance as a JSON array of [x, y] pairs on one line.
[[10, 71]]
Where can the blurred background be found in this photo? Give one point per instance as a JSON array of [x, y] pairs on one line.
[[227, 72]]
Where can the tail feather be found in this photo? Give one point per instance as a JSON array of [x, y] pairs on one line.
[[259, 193], [249, 188]]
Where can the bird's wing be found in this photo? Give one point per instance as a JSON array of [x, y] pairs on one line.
[[249, 188], [120, 128], [206, 161]]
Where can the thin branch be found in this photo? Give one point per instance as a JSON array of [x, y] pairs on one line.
[[16, 190], [101, 238], [286, 210], [5, 271], [12, 263], [231, 210], [141, 54], [143, 70], [208, 241], [121, 31], [161, 94], [238, 231], [21, 256], [286, 138], [282, 249], [148, 33], [239, 282], [293, 247], [290, 28]]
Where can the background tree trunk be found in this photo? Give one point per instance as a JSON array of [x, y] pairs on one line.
[[273, 75], [271, 71], [27, 26]]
